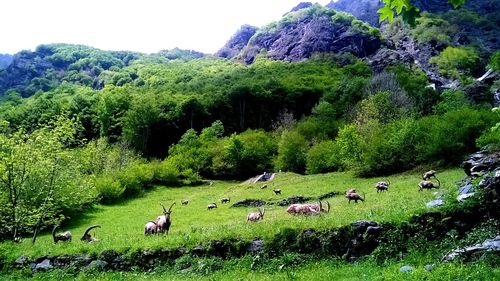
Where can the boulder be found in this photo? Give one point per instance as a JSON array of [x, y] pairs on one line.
[[435, 203], [490, 245], [43, 266], [406, 268]]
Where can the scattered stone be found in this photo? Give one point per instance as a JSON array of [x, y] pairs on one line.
[[435, 203], [98, 264], [43, 266], [22, 260], [462, 197], [429, 267], [256, 246], [465, 189], [406, 268], [293, 200], [328, 195], [467, 252]]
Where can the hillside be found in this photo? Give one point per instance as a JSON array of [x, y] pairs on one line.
[[324, 100]]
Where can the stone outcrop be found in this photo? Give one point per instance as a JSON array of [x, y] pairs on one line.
[[365, 10], [237, 42], [476, 251]]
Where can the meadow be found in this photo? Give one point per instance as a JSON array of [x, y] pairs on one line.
[[122, 224]]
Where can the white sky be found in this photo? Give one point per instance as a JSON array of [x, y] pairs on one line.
[[136, 25]]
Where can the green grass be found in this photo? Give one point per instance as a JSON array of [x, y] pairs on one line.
[[123, 223], [240, 269]]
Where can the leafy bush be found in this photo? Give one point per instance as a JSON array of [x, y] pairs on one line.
[[434, 29], [451, 100], [456, 61], [322, 158], [109, 188], [292, 150]]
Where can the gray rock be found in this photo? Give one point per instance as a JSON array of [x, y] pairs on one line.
[[488, 245], [465, 189], [256, 246], [435, 203], [406, 268], [462, 197], [98, 264], [429, 267], [22, 260], [44, 265]]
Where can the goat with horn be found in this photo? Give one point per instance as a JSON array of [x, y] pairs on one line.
[[256, 216], [87, 237], [62, 236], [163, 222]]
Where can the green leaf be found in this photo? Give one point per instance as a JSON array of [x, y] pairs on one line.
[[398, 4], [456, 3], [410, 15], [386, 13]]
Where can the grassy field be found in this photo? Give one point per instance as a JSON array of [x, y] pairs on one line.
[[241, 269], [123, 223]]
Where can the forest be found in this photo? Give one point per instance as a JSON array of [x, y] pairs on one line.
[[80, 127]]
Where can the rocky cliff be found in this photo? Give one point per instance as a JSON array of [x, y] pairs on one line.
[[303, 32], [365, 10], [237, 42]]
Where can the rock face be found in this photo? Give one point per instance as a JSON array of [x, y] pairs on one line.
[[301, 34], [237, 42], [365, 10], [490, 245]]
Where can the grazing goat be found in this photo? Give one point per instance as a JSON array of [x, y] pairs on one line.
[[150, 228], [277, 191], [354, 196], [211, 206], [184, 202], [163, 222], [225, 200], [382, 186], [263, 186], [307, 209], [62, 236], [87, 237], [210, 183], [428, 185], [256, 216], [429, 174]]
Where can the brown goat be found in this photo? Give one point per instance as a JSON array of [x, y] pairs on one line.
[[163, 222], [62, 236], [225, 200], [87, 237], [354, 196], [277, 191], [184, 202], [429, 174], [256, 216], [428, 185], [382, 186]]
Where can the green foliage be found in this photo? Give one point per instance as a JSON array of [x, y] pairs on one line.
[[109, 188], [292, 150], [433, 29], [40, 180], [495, 61], [491, 137], [455, 62], [322, 158], [406, 9], [451, 100]]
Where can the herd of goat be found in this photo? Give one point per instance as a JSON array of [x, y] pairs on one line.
[[162, 223]]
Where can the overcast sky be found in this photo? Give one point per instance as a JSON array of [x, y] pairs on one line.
[[144, 26]]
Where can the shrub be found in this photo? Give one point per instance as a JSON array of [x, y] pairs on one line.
[[165, 172], [456, 61], [451, 100], [323, 157], [108, 188], [292, 150]]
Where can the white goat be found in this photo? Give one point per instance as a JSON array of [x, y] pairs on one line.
[[256, 216]]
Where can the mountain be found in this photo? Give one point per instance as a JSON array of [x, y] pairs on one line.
[[365, 10], [237, 42], [5, 60], [304, 32]]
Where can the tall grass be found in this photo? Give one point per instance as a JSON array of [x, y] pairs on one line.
[[123, 223]]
